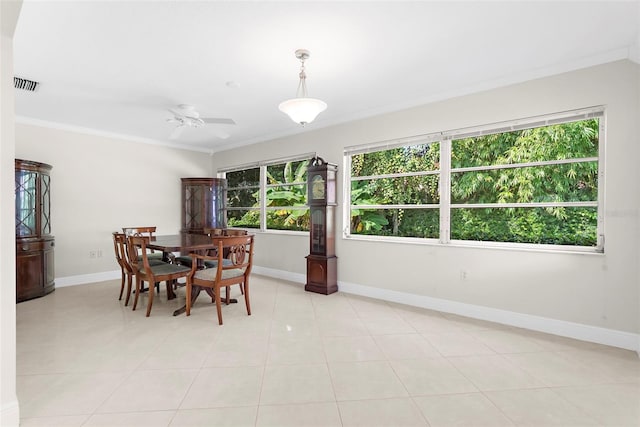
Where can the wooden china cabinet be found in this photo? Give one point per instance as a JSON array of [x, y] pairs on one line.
[[322, 276], [204, 204], [34, 243]]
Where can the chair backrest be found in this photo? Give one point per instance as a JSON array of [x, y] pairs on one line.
[[237, 249], [234, 232], [137, 253], [213, 231], [120, 248], [140, 231]]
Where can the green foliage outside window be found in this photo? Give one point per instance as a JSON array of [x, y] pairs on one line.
[[572, 176], [286, 197]]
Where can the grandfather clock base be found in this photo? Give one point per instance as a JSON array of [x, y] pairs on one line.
[[322, 276]]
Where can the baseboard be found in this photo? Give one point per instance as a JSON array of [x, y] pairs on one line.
[[611, 337], [83, 279], [280, 274]]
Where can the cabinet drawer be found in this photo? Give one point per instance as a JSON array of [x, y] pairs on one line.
[[30, 246]]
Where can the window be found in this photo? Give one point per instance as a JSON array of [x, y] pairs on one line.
[[535, 182], [270, 195], [243, 198]]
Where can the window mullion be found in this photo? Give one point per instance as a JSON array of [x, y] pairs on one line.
[[263, 198], [346, 197], [601, 177], [445, 191]]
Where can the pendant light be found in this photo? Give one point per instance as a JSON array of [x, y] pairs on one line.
[[302, 109]]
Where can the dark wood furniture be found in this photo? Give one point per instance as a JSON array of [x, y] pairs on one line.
[[233, 268], [145, 271], [119, 247], [322, 276], [148, 231], [35, 271], [204, 204], [185, 243]]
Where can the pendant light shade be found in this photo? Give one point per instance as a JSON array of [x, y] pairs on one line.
[[302, 109]]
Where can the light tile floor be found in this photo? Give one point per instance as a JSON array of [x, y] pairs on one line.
[[303, 359]]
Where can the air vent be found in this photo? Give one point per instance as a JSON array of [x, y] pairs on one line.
[[25, 84]]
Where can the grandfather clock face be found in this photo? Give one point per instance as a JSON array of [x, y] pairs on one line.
[[318, 188]]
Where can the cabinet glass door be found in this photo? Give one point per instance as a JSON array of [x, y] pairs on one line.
[[193, 206], [26, 203], [45, 215]]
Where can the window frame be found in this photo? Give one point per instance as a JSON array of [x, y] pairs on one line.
[[446, 172], [263, 186]]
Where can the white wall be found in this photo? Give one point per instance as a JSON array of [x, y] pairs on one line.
[[9, 407], [597, 290], [101, 184]]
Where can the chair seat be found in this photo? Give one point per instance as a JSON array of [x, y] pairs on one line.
[[183, 260], [214, 264], [154, 255], [210, 273], [166, 268], [186, 260], [152, 262]]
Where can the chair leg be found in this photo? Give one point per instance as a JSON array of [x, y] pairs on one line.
[[121, 286], [135, 300], [218, 304], [245, 285], [188, 295], [129, 280], [227, 292], [150, 302]]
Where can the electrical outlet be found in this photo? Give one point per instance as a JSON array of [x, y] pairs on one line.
[[463, 275], [99, 253], [92, 254]]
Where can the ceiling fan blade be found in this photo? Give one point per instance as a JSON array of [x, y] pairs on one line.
[[218, 120], [176, 132]]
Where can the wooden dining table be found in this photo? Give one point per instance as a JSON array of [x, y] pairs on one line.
[[184, 243]]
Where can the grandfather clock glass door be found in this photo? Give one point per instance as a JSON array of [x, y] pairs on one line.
[[318, 231], [321, 261]]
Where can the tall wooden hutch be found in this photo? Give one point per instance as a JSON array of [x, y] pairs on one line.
[[35, 272], [204, 204]]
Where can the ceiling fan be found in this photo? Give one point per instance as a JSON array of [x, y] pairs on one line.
[[185, 116]]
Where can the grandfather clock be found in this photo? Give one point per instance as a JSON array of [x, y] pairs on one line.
[[322, 274]]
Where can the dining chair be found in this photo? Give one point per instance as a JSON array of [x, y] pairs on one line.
[[225, 232], [213, 231], [186, 259], [234, 269], [143, 231], [124, 260], [119, 246], [234, 232], [146, 271]]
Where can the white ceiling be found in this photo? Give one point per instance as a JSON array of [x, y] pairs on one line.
[[115, 67]]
